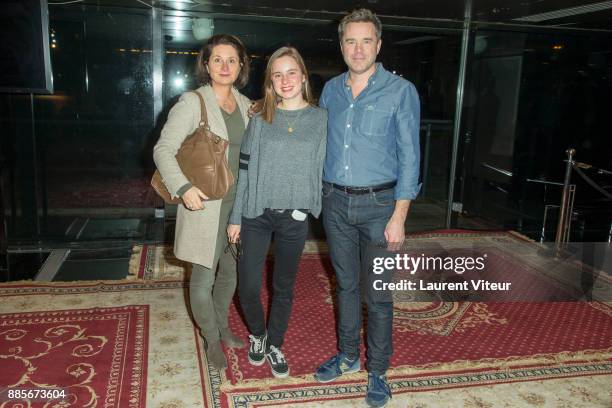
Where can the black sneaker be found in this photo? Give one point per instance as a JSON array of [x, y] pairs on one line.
[[257, 349], [278, 364]]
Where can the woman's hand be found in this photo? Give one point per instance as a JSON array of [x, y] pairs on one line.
[[255, 108], [233, 233], [194, 198]]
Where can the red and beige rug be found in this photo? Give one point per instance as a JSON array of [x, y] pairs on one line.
[[103, 344], [132, 344], [446, 353]]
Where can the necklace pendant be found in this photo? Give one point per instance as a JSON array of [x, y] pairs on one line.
[[290, 129]]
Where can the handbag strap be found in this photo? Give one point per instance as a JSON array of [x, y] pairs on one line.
[[203, 114], [204, 120]]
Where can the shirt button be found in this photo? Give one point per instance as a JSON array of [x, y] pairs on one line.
[[346, 146], [351, 105], [348, 125], [345, 167]]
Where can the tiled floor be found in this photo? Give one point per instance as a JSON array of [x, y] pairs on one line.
[[101, 263], [93, 262], [23, 266]]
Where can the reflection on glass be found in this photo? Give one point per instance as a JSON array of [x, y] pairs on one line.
[[532, 96], [87, 153], [84, 156], [429, 61]]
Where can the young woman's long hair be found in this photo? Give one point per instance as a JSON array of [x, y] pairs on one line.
[[271, 99]]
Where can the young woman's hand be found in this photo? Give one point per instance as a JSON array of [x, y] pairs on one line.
[[193, 199], [233, 233]]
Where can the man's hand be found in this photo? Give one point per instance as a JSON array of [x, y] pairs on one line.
[[233, 233], [394, 231], [193, 199], [395, 234]]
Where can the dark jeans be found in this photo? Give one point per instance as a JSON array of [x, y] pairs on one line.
[[352, 222], [289, 240]]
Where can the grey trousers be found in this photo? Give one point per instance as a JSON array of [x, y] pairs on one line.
[[211, 289]]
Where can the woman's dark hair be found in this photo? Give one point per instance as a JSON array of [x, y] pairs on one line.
[[206, 50]]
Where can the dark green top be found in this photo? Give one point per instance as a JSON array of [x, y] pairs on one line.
[[235, 131]]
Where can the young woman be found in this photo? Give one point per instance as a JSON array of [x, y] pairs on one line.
[[200, 238], [281, 164]]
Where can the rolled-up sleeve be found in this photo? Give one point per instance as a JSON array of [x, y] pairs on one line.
[[407, 143]]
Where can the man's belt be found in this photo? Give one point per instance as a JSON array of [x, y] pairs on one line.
[[364, 190]]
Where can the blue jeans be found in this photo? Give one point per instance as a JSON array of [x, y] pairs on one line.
[[352, 222]]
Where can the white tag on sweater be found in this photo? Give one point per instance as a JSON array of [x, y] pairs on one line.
[[298, 215]]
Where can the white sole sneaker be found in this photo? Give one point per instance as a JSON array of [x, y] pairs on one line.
[[279, 375], [257, 363], [275, 373]]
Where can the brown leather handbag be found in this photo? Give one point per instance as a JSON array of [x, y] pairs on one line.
[[202, 160]]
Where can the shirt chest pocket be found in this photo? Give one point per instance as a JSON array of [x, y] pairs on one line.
[[375, 119]]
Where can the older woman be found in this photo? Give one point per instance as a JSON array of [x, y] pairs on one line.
[[222, 66]]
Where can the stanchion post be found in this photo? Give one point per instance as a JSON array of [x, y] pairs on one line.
[[564, 216]]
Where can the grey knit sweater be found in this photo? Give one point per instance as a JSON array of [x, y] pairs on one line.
[[279, 169]]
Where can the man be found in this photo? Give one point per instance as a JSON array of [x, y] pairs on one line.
[[370, 177]]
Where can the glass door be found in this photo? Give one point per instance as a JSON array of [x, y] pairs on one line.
[[428, 57], [530, 97], [76, 168]]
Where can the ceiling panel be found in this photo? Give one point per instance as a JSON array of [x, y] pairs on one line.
[[563, 13]]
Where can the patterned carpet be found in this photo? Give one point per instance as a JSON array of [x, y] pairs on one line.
[[132, 344], [79, 351], [120, 344], [446, 353]]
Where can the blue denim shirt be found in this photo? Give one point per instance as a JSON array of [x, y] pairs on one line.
[[373, 139]]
